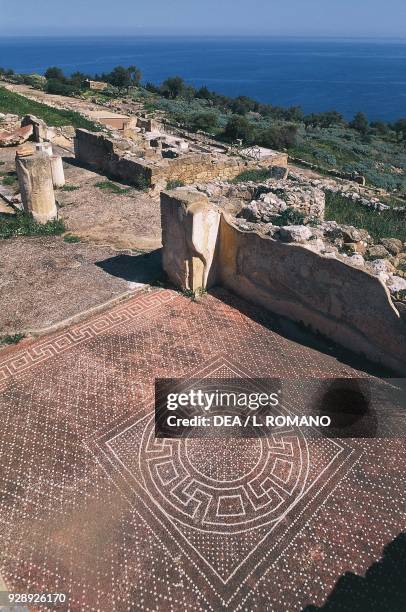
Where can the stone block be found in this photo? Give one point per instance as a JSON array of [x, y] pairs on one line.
[[189, 237]]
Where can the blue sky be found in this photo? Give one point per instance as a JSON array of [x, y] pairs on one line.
[[367, 18]]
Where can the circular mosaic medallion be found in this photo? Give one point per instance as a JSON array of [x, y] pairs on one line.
[[224, 485]]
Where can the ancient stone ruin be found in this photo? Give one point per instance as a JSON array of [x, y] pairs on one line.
[[289, 270], [36, 185], [153, 158]]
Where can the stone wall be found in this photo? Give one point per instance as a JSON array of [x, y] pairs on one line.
[[113, 157], [338, 300], [109, 156]]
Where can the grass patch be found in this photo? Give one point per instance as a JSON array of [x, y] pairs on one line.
[[11, 102], [112, 187], [174, 184], [24, 225], [256, 176], [9, 179], [194, 295], [71, 238], [385, 224], [11, 339], [70, 187]]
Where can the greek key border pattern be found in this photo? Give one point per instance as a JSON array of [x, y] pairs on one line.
[[44, 349]]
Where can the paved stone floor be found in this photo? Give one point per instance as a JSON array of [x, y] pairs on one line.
[[91, 504]]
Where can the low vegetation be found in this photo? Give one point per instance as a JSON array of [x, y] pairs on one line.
[[11, 339], [70, 187], [9, 179], [21, 224], [11, 102], [376, 150], [112, 187], [71, 238], [256, 176], [388, 223], [174, 184]]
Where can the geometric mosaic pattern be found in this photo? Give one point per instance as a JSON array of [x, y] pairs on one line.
[[198, 493], [92, 505]]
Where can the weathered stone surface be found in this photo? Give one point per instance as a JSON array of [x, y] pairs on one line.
[[37, 191], [396, 284], [58, 175], [263, 210], [355, 247], [19, 136], [379, 266], [122, 159], [393, 245], [295, 233], [332, 294], [39, 127], [356, 260], [377, 251], [189, 238]]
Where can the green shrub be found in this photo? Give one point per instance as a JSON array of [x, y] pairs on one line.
[[9, 179], [71, 238], [278, 137], [21, 224], [11, 339], [384, 224], [69, 187], [174, 184], [207, 122], [112, 187], [255, 175], [237, 128]]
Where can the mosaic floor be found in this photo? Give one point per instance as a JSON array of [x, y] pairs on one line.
[[92, 505]]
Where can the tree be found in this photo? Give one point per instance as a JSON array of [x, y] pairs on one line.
[[360, 123], [54, 73], [119, 77], [61, 88], [205, 121], [204, 93], [238, 127], [275, 137], [400, 128], [135, 74], [78, 78], [173, 87], [324, 120], [380, 127]]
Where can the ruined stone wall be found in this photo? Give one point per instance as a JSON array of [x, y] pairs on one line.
[[205, 167], [106, 155], [103, 153], [338, 300]]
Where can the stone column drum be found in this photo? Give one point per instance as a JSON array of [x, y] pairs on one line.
[[58, 175], [36, 186]]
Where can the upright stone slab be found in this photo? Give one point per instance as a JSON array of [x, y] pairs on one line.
[[39, 127], [190, 228], [36, 186]]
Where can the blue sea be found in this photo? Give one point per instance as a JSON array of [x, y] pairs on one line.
[[318, 75]]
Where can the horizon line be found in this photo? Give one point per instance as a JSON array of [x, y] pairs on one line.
[[207, 35]]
